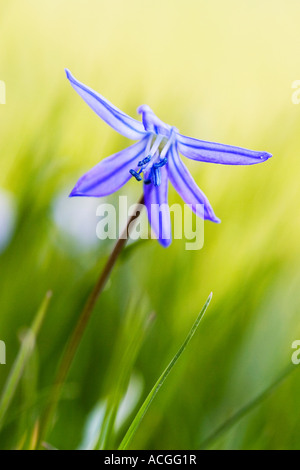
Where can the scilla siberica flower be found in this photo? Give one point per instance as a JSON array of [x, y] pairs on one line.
[[155, 160]]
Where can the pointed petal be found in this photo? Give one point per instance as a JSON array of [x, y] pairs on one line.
[[118, 120], [218, 153], [111, 173], [186, 187], [156, 201]]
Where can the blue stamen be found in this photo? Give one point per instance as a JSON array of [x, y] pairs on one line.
[[136, 175], [144, 161], [160, 163], [156, 176], [149, 179]]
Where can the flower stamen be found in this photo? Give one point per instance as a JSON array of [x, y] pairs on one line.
[[160, 163], [144, 161], [156, 176], [136, 175], [154, 157]]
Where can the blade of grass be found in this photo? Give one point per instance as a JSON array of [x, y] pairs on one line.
[[129, 343], [142, 411], [24, 354], [28, 388], [234, 419]]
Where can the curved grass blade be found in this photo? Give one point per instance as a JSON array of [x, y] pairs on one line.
[[234, 419], [142, 411], [24, 354]]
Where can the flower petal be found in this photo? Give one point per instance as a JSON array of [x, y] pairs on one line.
[[186, 187], [156, 201], [111, 173], [218, 153], [152, 123], [118, 120]]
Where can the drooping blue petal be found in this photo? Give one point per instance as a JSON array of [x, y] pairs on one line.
[[218, 153], [118, 120], [111, 173], [156, 202], [186, 187]]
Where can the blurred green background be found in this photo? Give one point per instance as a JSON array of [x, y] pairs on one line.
[[220, 71]]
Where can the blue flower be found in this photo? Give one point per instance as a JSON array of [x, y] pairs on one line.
[[155, 160]]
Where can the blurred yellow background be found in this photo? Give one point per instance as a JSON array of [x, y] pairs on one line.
[[218, 71]]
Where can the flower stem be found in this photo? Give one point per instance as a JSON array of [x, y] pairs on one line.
[[79, 330]]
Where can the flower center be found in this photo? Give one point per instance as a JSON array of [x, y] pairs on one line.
[[156, 157]]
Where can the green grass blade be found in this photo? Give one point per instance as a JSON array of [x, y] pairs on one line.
[[130, 340], [142, 411], [24, 354], [225, 427]]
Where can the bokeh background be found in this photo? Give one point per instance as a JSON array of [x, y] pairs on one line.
[[220, 71]]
